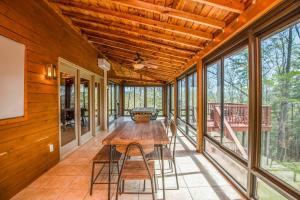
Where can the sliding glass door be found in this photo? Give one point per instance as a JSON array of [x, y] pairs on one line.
[[79, 106], [97, 106], [68, 111], [85, 104]]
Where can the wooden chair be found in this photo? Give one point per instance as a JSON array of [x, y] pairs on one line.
[[166, 123], [135, 169], [102, 157], [142, 118], [168, 151]]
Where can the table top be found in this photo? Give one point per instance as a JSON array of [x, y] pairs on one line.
[[152, 132], [143, 110]]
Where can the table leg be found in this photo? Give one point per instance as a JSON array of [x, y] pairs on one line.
[[162, 170], [109, 171]]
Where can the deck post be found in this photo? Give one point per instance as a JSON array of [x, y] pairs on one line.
[[200, 106]]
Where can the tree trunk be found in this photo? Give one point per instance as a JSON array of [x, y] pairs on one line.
[[283, 113]]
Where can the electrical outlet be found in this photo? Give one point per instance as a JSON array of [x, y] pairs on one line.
[[51, 147]]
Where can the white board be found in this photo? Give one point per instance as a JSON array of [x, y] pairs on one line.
[[12, 57]]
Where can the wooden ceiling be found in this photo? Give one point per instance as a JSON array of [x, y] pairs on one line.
[[166, 33]]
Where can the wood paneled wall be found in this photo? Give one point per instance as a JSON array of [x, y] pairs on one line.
[[24, 150]]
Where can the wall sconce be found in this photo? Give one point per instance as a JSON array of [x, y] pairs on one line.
[[51, 71]]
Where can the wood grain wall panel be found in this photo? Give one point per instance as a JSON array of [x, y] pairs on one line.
[[24, 150]]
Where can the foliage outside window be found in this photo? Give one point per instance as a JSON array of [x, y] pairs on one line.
[[134, 96], [227, 102], [280, 136]]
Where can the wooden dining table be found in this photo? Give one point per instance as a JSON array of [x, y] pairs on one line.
[[127, 132]]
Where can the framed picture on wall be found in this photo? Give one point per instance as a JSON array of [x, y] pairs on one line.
[[12, 80]]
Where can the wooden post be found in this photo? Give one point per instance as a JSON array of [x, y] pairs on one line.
[[121, 99], [200, 106], [175, 100], [165, 103]]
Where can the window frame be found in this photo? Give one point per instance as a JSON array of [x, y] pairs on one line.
[[186, 121], [286, 14], [145, 96]]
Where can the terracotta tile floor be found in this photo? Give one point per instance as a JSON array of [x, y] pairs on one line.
[[70, 178]]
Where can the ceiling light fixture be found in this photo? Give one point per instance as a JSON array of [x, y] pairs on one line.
[[138, 66]]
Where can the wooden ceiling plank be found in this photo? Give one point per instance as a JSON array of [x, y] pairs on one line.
[[170, 12], [126, 59], [90, 22], [134, 49], [253, 12], [133, 79], [231, 6], [98, 40], [143, 54], [131, 56], [138, 40], [137, 19], [150, 75], [105, 45]]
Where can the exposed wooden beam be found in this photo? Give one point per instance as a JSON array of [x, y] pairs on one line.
[[170, 12], [124, 36], [228, 5], [143, 55], [108, 51], [252, 13], [130, 56], [126, 78], [97, 40], [149, 68], [126, 60], [82, 7], [93, 23], [149, 75], [134, 49]]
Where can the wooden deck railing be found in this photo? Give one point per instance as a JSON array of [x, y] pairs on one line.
[[237, 115]]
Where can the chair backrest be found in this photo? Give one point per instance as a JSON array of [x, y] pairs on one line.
[[166, 122], [173, 128], [142, 118], [135, 149]]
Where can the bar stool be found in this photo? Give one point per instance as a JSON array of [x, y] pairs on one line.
[[102, 157]]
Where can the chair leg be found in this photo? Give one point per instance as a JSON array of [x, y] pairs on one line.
[[155, 182], [123, 186], [92, 179], [119, 178], [170, 165], [152, 188], [144, 189], [176, 173]]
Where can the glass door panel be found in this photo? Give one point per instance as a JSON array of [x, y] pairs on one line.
[[67, 108], [97, 104], [85, 105]]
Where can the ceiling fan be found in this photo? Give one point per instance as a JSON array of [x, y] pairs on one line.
[[139, 62]]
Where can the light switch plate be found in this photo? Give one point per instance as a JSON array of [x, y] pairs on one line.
[[51, 147]]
